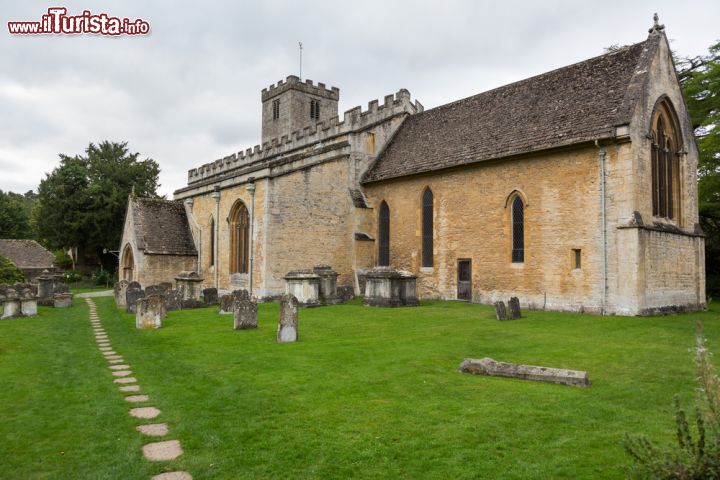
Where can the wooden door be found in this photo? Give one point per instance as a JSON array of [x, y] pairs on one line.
[[464, 284]]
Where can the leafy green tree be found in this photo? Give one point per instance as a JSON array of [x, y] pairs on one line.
[[9, 272], [15, 215], [82, 202], [700, 79]]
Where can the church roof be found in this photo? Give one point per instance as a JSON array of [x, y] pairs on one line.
[[574, 104], [26, 254], [161, 227]]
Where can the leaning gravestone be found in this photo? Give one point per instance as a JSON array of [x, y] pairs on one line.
[[133, 294], [288, 321], [120, 288], [514, 305], [150, 312], [210, 296], [173, 300], [500, 312], [246, 312]]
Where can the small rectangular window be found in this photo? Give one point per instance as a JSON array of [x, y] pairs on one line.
[[276, 109], [577, 258], [315, 109]]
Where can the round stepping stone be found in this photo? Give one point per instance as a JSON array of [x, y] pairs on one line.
[[125, 380], [137, 398], [153, 430], [173, 476], [119, 367], [116, 360], [144, 412], [162, 451], [122, 373], [130, 388]]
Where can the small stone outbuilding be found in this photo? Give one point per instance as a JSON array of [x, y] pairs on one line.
[[29, 256]]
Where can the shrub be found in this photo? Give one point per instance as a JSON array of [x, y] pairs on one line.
[[72, 276], [697, 453], [9, 272], [63, 260], [103, 277]]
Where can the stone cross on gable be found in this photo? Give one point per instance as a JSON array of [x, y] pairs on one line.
[[656, 25]]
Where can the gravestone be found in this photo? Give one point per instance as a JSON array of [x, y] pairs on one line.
[[61, 287], [328, 285], [11, 304], [227, 302], [173, 300], [246, 312], [150, 312], [153, 290], [488, 366], [514, 305], [62, 300], [288, 321], [46, 287], [28, 303], [191, 303], [120, 288], [304, 285], [188, 282], [165, 286], [210, 296], [133, 294], [387, 287], [500, 312]]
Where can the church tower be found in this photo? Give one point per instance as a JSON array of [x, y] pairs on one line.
[[293, 105]]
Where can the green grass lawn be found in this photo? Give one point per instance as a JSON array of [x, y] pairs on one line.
[[365, 393]]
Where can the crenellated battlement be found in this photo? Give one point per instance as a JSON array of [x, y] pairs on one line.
[[353, 120], [307, 86]]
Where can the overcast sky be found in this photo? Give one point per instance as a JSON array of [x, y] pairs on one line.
[[189, 92]]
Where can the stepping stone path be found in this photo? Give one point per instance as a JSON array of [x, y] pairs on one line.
[[157, 451]]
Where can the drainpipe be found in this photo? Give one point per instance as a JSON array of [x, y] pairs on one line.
[[602, 154], [189, 202], [216, 196], [251, 190]]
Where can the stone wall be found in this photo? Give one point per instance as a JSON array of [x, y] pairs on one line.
[[472, 221]]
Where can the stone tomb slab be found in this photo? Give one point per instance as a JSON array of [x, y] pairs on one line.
[[488, 366], [145, 412], [162, 451], [154, 429]]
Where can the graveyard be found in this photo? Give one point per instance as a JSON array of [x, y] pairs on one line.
[[364, 391]]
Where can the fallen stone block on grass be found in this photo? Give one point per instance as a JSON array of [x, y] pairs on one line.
[[489, 367]]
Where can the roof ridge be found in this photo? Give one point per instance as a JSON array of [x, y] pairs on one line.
[[534, 77]]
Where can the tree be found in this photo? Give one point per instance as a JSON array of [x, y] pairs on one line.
[[82, 202], [9, 272], [700, 80], [15, 215]]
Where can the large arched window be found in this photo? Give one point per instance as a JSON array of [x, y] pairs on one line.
[[239, 238], [427, 228], [518, 229], [665, 161], [384, 235]]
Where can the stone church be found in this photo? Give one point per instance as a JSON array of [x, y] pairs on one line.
[[573, 190]]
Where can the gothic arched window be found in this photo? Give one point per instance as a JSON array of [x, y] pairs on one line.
[[665, 161], [384, 235], [239, 238], [518, 230], [427, 228]]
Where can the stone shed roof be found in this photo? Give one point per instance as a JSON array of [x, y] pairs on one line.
[[574, 104], [26, 254], [161, 227]]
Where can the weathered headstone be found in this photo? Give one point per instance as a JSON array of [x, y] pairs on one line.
[[28, 303], [120, 289], [46, 287], [245, 312], [227, 302], [150, 312], [153, 290], [173, 300], [514, 305], [210, 296], [62, 300], [133, 294], [500, 311], [61, 287], [288, 321], [11, 304], [165, 286], [488, 366]]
